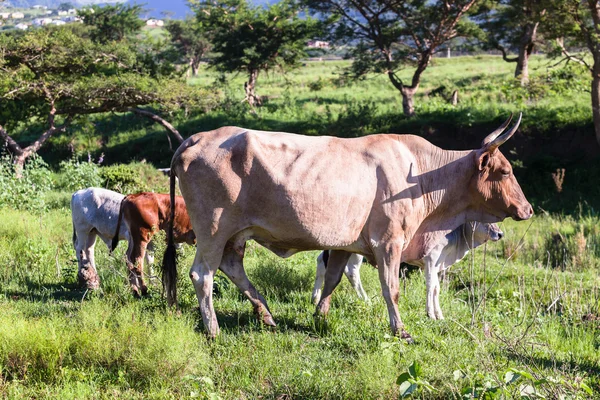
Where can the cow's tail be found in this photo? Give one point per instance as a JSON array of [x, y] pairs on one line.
[[115, 239], [74, 237], [169, 265]]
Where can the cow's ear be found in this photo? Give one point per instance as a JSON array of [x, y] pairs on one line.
[[483, 159]]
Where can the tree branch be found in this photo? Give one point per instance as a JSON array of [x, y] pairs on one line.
[[163, 122], [10, 142]]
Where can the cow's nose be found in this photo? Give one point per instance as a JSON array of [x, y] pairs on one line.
[[500, 235], [524, 213]]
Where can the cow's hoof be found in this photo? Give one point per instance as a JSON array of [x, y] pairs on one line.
[[406, 336]]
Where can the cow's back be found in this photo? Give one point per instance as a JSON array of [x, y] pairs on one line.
[[97, 209]]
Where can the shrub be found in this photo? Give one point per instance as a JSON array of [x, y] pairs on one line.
[[79, 175], [122, 178], [27, 192]]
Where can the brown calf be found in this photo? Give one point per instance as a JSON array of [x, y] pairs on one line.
[[144, 214]]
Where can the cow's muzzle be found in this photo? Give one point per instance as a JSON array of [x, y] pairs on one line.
[[523, 213], [495, 233]]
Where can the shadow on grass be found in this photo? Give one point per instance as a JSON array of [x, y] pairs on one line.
[[246, 322], [548, 363], [38, 292]]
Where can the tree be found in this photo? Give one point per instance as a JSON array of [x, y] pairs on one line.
[[253, 39], [65, 6], [393, 33], [515, 24], [189, 41], [577, 23], [112, 23], [49, 78]]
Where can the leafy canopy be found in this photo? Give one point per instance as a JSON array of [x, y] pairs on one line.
[[250, 38]]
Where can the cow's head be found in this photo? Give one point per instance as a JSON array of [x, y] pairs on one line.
[[494, 188]]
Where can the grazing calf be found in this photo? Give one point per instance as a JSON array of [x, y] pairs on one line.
[[143, 214], [450, 249], [94, 212]]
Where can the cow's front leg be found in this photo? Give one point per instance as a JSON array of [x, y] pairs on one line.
[[436, 297], [335, 268], [232, 265], [430, 284], [388, 262]]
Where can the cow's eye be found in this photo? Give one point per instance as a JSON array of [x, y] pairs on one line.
[[505, 173]]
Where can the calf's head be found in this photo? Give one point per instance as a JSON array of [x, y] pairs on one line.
[[494, 189], [482, 232]]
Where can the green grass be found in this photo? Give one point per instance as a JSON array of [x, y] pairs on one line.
[[57, 341]]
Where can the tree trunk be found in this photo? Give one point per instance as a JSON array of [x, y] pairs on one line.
[[195, 66], [250, 87], [526, 47], [596, 99], [408, 105]]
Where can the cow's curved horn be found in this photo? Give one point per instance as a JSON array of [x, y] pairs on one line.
[[489, 138], [505, 136]]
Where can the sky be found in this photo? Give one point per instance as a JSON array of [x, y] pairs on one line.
[[178, 7]]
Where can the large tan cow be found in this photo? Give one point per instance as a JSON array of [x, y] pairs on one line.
[[143, 214], [369, 195]]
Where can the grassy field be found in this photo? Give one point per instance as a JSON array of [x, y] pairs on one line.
[[522, 315]]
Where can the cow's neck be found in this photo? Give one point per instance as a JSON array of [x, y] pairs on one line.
[[444, 179]]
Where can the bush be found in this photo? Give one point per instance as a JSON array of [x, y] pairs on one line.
[[27, 192], [122, 178], [79, 175]]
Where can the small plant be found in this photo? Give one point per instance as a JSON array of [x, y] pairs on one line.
[[559, 177], [410, 381]]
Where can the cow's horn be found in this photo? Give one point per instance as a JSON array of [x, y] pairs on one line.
[[505, 136], [489, 138]]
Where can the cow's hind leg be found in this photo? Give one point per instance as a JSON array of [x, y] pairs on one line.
[[335, 268], [87, 273], [202, 275], [388, 263], [232, 265]]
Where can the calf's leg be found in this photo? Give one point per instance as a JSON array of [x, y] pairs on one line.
[[431, 281], [319, 279], [232, 265], [84, 248], [135, 264], [352, 272]]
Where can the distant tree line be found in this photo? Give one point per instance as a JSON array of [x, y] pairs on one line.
[[53, 77]]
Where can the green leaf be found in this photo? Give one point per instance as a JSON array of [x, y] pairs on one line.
[[405, 376], [407, 388], [415, 369], [458, 374], [586, 388], [511, 377]]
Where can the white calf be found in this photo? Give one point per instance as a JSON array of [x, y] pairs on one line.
[[448, 251], [95, 212]]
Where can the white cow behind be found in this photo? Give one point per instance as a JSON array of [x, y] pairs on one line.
[[95, 212], [449, 250]]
